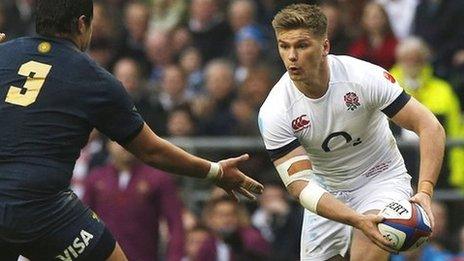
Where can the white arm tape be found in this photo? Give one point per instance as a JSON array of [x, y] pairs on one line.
[[213, 172], [283, 167], [310, 196]]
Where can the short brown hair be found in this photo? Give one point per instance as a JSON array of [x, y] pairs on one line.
[[298, 16]]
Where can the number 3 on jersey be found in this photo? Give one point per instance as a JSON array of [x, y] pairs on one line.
[[36, 73]]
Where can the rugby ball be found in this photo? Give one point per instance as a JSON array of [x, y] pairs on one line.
[[405, 225]]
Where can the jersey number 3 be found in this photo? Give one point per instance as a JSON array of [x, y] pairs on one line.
[[36, 73]]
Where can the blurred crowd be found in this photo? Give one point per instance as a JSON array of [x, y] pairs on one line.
[[203, 68]]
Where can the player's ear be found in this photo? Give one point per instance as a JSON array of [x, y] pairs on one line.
[[326, 47], [83, 24]]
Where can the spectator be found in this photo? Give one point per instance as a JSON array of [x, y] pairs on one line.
[[279, 222], [213, 110], [181, 122], [414, 72], [241, 13], [196, 237], [159, 53], [377, 43], [173, 89], [131, 199], [93, 155], [136, 17], [127, 70], [257, 86], [249, 45], [19, 17], [401, 15], [440, 24], [167, 14], [191, 63], [234, 238], [336, 27], [211, 34], [181, 40]]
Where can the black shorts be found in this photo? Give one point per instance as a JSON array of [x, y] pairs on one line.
[[85, 238]]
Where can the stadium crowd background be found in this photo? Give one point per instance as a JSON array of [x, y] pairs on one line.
[[202, 68]]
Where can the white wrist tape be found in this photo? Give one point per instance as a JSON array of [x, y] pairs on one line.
[[310, 196], [283, 168], [214, 171]]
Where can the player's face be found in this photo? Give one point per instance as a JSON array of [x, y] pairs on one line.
[[302, 52]]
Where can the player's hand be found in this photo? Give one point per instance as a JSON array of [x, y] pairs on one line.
[[2, 37], [368, 226], [425, 202], [232, 180]]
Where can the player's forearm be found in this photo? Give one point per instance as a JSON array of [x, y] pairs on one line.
[[332, 208], [328, 206], [173, 159], [161, 154], [432, 146]]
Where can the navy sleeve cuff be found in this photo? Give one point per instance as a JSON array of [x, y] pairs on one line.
[[280, 152], [394, 107], [131, 136]]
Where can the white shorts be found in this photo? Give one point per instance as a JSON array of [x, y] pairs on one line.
[[322, 238]]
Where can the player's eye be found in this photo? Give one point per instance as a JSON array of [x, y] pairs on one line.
[[303, 45], [283, 46]]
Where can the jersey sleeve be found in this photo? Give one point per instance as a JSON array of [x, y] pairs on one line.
[[384, 91], [113, 113], [276, 133]]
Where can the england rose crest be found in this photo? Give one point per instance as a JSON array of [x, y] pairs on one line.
[[351, 101]]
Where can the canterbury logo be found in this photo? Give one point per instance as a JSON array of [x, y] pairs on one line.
[[300, 123]]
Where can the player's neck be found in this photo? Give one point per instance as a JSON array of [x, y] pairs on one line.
[[317, 85]]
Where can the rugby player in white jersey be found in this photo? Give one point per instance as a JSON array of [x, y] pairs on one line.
[[325, 126]]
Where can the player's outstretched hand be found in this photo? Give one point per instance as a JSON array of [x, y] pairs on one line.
[[368, 226], [425, 202], [2, 37], [232, 180]]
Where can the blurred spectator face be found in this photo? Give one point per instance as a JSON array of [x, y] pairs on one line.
[[256, 86], [173, 82], [194, 241], [180, 124], [181, 39], [412, 55], [219, 80], [242, 111], [241, 14], [190, 60], [101, 23], [158, 47], [248, 51], [333, 18], [136, 19], [203, 11], [374, 18], [273, 200], [126, 70], [440, 214], [224, 217], [119, 155]]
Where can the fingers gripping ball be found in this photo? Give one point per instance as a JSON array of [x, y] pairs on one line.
[[405, 225]]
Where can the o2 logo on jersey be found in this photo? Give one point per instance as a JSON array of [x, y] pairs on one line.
[[300, 123], [351, 101]]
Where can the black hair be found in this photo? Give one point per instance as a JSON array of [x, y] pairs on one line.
[[60, 16]]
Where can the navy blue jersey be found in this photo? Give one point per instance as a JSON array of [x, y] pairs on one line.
[[51, 97]]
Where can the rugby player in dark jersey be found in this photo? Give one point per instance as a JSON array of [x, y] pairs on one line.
[[51, 96]]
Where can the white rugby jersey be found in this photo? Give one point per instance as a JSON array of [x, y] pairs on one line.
[[345, 132]]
